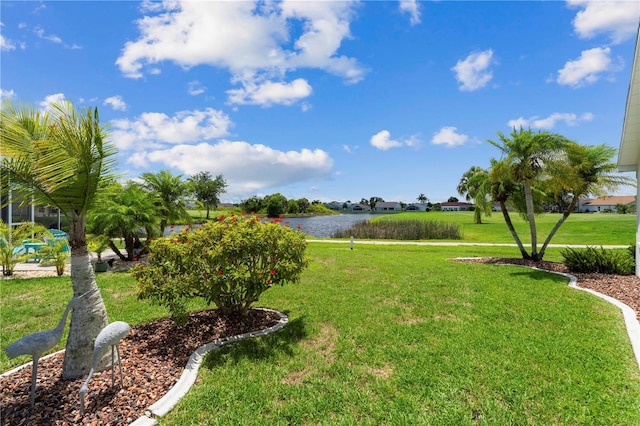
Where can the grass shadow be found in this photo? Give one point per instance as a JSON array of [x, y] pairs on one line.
[[259, 349]]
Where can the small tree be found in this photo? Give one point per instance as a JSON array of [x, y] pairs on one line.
[[207, 190], [11, 250], [230, 263]]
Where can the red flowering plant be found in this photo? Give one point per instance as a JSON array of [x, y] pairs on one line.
[[228, 262]]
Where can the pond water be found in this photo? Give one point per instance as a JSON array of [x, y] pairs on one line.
[[325, 226], [314, 226]]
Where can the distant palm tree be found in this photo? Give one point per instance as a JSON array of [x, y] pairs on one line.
[[62, 157], [422, 198], [169, 191]]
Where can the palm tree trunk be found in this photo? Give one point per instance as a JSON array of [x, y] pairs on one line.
[[507, 219], [531, 217], [90, 315], [564, 217], [477, 216]]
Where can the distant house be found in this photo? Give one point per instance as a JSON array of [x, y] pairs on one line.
[[455, 206], [393, 206], [416, 207], [334, 205], [608, 204], [360, 208]]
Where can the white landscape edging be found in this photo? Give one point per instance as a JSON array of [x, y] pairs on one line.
[[190, 373]]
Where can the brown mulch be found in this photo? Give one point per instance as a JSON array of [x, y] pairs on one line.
[[155, 354], [153, 358]]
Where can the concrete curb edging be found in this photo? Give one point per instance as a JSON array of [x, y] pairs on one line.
[[629, 315], [161, 407]]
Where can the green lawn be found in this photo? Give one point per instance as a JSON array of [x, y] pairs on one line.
[[395, 335], [592, 229]]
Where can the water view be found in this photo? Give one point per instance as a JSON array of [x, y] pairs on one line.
[[314, 226]]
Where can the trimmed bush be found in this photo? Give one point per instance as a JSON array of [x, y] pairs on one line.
[[402, 230], [601, 260], [229, 263]]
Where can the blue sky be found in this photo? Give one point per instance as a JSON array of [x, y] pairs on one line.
[[325, 100]]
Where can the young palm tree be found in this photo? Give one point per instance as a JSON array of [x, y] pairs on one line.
[[526, 153], [583, 170], [475, 185], [169, 190], [128, 213], [62, 158]]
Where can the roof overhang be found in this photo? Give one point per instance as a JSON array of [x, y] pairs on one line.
[[629, 152]]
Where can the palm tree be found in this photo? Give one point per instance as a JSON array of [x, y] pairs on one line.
[[128, 213], [526, 154], [583, 170], [422, 199], [62, 157], [169, 191], [475, 185]]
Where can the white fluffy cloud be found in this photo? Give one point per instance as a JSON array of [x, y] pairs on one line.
[[247, 168], [51, 99], [473, 72], [412, 7], [268, 93], [449, 136], [618, 19], [382, 140], [116, 103], [197, 33], [6, 44], [153, 128], [569, 118], [587, 68]]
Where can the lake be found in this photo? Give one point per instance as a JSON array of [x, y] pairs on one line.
[[314, 226]]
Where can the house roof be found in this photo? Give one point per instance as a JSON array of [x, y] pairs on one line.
[[612, 201], [629, 152], [454, 204]]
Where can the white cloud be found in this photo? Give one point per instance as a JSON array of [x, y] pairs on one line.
[[153, 129], [51, 99], [268, 93], [116, 103], [586, 70], [6, 44], [569, 118], [246, 167], [52, 38], [196, 88], [473, 72], [448, 135], [382, 140], [206, 33], [618, 19], [412, 7], [7, 94]]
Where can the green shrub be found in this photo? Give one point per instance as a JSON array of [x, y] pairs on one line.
[[600, 260], [230, 263], [402, 230]]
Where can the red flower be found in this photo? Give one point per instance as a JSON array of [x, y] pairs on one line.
[[171, 227], [219, 272], [299, 226], [272, 272], [221, 218], [286, 223], [268, 281]]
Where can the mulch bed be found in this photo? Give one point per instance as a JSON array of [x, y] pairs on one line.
[[154, 355], [153, 358]]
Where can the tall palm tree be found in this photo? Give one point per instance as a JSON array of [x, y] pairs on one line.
[[422, 199], [169, 191], [526, 153], [62, 157]]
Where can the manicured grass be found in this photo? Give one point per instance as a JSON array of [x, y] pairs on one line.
[[393, 335], [583, 228], [382, 335]]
